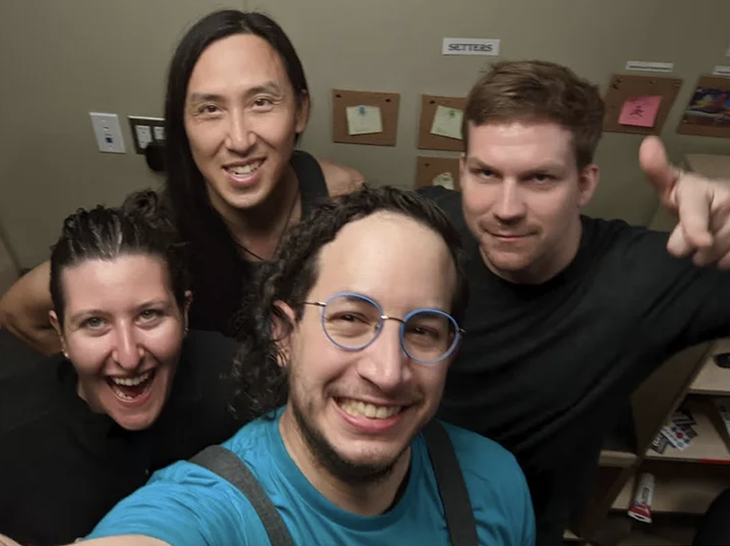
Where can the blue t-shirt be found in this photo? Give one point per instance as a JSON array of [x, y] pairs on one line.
[[186, 505]]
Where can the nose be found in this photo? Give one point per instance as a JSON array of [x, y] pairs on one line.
[[384, 363], [241, 138], [510, 206], [127, 352]]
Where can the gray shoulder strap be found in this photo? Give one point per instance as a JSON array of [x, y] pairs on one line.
[[228, 466], [458, 511], [452, 488]]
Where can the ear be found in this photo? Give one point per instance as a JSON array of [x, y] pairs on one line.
[[462, 168], [303, 109], [186, 309], [282, 331], [57, 326], [587, 183]]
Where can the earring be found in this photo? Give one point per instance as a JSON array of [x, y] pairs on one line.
[[65, 354]]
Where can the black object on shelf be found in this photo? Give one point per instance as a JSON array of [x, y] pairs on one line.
[[722, 360], [154, 153]]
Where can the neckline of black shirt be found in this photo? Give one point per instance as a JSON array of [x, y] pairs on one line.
[[572, 271]]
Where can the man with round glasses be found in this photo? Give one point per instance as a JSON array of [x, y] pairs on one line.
[[357, 326], [353, 321]]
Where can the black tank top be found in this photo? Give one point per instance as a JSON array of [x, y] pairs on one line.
[[218, 292]]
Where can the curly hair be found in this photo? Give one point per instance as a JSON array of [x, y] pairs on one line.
[[538, 91], [262, 382], [140, 226]]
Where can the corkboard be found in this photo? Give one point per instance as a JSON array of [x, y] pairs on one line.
[[428, 168], [624, 86], [388, 103], [427, 141], [708, 111]]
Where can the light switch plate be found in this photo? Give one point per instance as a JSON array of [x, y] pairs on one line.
[[108, 133], [145, 130]]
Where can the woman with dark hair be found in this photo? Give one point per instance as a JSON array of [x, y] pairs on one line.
[[133, 390], [237, 103]]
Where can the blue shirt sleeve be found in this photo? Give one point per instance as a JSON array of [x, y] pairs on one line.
[[185, 505]]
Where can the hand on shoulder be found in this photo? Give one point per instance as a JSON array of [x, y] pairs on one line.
[[340, 179]]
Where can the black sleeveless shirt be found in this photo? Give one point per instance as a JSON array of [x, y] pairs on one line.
[[219, 285]]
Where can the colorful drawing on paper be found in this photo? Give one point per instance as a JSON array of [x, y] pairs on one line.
[[709, 107]]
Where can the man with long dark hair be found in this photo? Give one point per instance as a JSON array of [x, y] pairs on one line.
[[237, 103]]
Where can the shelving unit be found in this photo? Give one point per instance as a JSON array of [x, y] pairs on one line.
[[686, 482], [688, 490], [712, 379]]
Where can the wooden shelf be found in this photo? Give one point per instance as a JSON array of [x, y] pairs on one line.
[[619, 459], [713, 379], [708, 447], [686, 490]]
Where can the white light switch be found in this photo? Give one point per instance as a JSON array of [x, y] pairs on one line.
[[108, 133], [144, 135]]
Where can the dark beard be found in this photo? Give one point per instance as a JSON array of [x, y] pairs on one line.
[[325, 455]]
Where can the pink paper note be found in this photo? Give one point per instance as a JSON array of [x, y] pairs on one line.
[[640, 111]]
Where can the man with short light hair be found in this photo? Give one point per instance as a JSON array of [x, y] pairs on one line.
[[568, 314]]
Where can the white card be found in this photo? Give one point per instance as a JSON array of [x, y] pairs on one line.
[[445, 180], [447, 122], [364, 120]]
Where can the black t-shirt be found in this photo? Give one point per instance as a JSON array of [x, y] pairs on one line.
[[63, 467], [544, 369], [220, 276]]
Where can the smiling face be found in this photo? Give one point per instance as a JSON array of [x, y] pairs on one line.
[[356, 412], [241, 118], [522, 194], [123, 332]]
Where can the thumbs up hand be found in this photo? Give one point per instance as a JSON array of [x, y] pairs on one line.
[[702, 204]]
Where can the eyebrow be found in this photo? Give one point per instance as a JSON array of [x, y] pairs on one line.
[[84, 313], [266, 87], [474, 162]]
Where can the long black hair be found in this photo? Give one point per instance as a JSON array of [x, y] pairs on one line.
[[262, 382], [140, 226], [216, 266]]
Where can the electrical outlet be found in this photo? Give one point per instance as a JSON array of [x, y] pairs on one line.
[[146, 130], [108, 133]]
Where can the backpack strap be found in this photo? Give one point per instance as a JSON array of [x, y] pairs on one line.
[[458, 511], [228, 466]]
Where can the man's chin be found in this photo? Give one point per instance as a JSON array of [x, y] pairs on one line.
[[354, 468], [505, 262]]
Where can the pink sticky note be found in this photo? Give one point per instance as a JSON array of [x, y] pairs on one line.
[[640, 111]]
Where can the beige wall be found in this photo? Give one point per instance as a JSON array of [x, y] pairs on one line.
[[61, 59]]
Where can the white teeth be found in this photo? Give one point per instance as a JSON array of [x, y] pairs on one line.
[[371, 411], [132, 381], [245, 169]]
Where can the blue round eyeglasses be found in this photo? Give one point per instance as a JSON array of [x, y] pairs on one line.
[[353, 321]]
